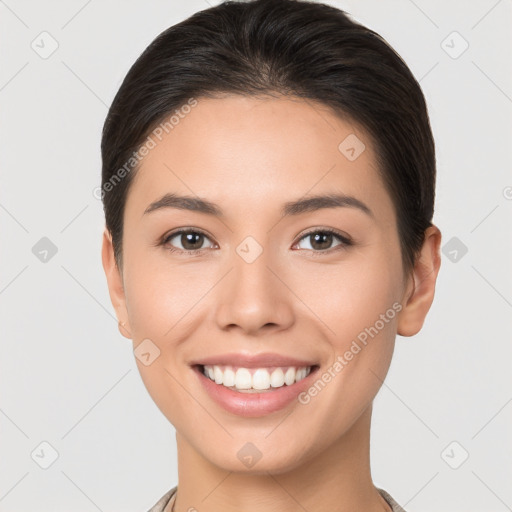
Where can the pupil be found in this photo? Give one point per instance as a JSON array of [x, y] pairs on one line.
[[324, 238], [190, 240], [187, 240]]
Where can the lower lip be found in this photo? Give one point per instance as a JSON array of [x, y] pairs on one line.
[[251, 405]]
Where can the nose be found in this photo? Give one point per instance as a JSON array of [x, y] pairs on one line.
[[254, 298]]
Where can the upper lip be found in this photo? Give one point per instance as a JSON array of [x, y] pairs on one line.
[[263, 360]]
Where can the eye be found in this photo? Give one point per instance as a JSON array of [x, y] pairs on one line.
[[191, 240], [321, 240]]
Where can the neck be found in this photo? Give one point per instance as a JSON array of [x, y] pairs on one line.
[[338, 479]]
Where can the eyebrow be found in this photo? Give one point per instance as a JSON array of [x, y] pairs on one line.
[[303, 205]]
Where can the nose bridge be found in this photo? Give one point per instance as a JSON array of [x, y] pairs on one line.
[[253, 297]]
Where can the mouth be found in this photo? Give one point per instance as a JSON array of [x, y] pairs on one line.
[[255, 380], [236, 389]]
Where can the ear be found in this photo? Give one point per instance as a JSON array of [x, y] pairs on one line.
[[421, 285], [115, 284]]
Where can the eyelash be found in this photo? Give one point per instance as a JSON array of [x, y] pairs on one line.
[[345, 242]]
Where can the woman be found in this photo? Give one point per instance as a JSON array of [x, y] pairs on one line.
[[268, 186]]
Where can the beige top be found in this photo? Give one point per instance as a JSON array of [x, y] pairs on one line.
[[168, 500]]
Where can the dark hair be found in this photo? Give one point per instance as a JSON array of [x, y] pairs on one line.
[[288, 47]]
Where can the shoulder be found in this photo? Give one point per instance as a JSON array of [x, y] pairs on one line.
[[392, 503], [163, 501]]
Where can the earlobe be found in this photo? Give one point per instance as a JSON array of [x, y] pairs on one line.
[[420, 290], [115, 284]]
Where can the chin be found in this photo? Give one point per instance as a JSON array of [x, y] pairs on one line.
[[248, 460]]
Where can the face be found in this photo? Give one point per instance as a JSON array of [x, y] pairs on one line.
[[319, 282]]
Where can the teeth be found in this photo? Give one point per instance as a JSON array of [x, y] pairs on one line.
[[277, 378], [245, 379], [261, 379], [289, 376], [242, 379], [217, 374], [229, 377]]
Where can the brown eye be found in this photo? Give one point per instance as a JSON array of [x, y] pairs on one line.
[[188, 240], [322, 240]]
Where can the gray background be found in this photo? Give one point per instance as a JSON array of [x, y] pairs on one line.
[[68, 378]]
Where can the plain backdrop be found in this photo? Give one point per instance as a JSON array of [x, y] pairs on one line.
[[442, 420]]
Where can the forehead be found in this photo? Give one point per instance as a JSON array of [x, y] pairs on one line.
[[233, 148]]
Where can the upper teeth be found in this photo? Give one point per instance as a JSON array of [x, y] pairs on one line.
[[255, 378]]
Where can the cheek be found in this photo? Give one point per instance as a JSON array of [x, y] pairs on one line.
[[159, 291], [349, 295], [357, 305], [159, 302]]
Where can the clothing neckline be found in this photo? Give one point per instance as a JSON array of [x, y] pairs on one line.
[[167, 500]]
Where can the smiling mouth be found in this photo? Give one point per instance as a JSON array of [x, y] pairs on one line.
[[255, 380]]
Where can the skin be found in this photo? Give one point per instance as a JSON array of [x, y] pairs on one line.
[[249, 156]]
